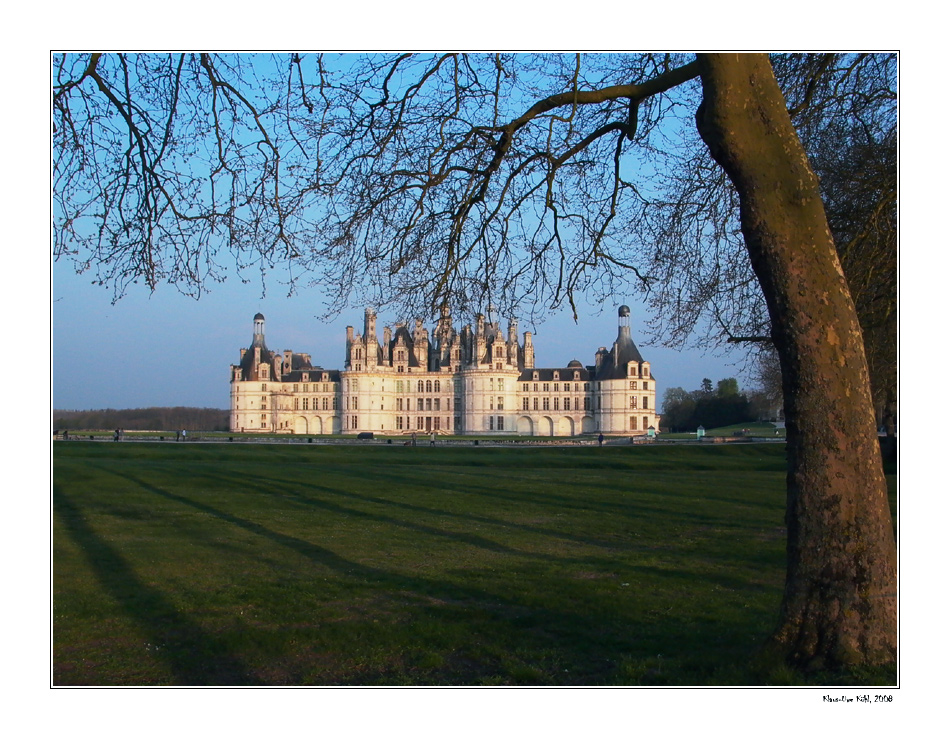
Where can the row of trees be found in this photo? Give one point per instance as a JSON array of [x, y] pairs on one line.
[[711, 408], [144, 419], [455, 179]]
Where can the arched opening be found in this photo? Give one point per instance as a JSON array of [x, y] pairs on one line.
[[545, 427]]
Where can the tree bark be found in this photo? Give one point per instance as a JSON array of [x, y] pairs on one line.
[[840, 599]]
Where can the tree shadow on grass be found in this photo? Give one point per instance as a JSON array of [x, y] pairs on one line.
[[193, 656], [592, 638]]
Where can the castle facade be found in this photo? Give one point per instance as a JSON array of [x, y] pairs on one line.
[[478, 380]]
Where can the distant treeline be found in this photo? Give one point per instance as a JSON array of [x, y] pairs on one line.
[[711, 408], [144, 419]]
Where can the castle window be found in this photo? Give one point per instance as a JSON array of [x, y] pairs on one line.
[[525, 387], [633, 401], [264, 387], [567, 404], [501, 403], [399, 421], [296, 387], [400, 368], [428, 386], [645, 403], [420, 386], [534, 403], [501, 385], [577, 376], [419, 404], [428, 404], [556, 404], [546, 404], [646, 385], [296, 404], [524, 404], [633, 423], [557, 376], [435, 404], [491, 423], [586, 404], [501, 423], [438, 386]]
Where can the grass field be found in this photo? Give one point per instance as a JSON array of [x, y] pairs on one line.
[[223, 564]]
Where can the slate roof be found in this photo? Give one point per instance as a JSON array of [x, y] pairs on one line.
[[546, 374], [624, 350]]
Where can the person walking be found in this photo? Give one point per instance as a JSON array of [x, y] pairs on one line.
[[600, 439]]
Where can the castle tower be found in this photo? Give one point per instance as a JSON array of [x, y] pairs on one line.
[[370, 342], [528, 351]]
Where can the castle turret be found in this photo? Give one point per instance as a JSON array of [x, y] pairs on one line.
[[528, 351]]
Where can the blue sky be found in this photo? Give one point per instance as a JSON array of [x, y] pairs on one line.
[[165, 349]]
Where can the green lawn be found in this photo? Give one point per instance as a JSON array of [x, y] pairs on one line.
[[226, 564]]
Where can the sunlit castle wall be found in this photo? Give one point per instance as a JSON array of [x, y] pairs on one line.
[[480, 380]]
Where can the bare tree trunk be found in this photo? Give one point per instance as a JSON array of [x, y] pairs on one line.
[[839, 605]]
